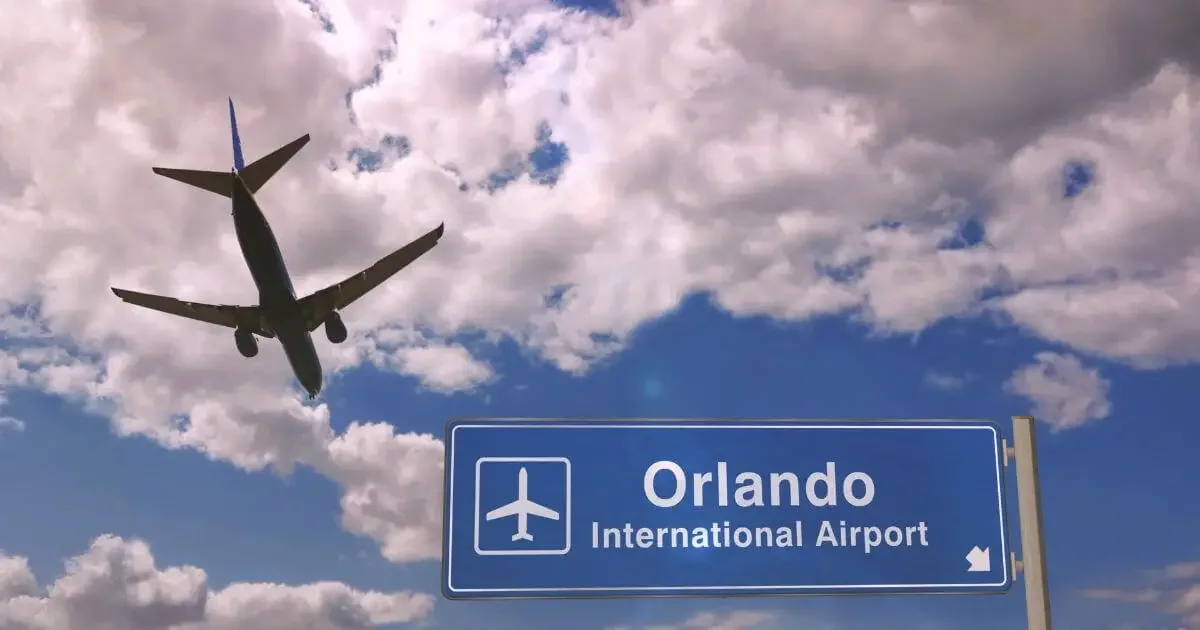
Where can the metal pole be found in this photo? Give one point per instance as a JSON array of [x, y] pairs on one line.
[[1029, 506]]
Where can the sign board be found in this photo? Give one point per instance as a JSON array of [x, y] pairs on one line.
[[594, 508]]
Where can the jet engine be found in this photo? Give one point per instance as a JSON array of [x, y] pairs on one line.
[[335, 328], [246, 343]]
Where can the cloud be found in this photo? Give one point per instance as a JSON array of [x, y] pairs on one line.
[[1174, 590], [115, 585], [1181, 571], [392, 488], [945, 382], [828, 167], [735, 620], [1064, 393], [442, 367], [9, 423]]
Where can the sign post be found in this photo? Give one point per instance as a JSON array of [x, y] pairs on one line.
[[1029, 511], [624, 508]]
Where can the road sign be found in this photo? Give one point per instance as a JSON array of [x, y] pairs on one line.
[[588, 508]]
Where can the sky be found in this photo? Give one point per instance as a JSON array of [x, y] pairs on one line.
[[745, 208]]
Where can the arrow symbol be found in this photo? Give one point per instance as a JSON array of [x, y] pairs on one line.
[[980, 560]]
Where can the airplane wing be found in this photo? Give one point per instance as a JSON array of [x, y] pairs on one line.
[[540, 511], [319, 305], [229, 316], [503, 511]]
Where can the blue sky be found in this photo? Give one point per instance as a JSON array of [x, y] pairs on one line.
[[1119, 498]]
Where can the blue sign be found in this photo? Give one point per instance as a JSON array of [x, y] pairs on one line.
[[591, 508]]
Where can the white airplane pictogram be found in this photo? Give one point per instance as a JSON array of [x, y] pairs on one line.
[[522, 508]]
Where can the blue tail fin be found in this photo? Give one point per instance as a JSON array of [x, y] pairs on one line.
[[254, 175], [238, 162]]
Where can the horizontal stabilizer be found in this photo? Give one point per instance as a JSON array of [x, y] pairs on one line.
[[265, 167], [255, 175], [220, 182]]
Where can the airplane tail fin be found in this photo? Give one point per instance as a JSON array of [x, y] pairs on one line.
[[238, 162], [520, 536], [255, 175]]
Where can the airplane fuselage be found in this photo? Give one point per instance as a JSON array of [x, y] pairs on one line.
[[279, 314], [277, 298]]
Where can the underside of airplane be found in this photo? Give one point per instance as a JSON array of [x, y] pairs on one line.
[[279, 313], [314, 310]]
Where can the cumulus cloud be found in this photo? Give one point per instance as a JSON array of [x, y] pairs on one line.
[[787, 162], [442, 367], [1064, 393], [115, 585], [392, 488]]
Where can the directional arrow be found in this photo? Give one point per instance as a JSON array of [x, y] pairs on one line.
[[980, 560]]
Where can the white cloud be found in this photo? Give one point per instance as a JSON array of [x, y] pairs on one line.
[[791, 171], [1173, 590], [445, 368], [1064, 393], [735, 620], [115, 585], [943, 381], [9, 423], [442, 367], [392, 488]]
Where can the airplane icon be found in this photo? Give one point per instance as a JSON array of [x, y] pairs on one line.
[[522, 508]]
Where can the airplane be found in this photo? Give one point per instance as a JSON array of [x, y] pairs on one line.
[[279, 314], [522, 508]]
